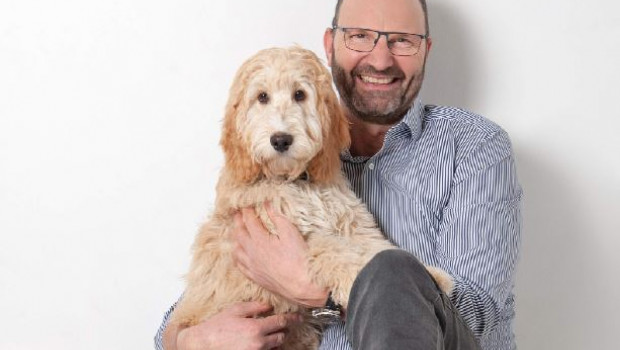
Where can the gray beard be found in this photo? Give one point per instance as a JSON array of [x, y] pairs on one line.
[[370, 112]]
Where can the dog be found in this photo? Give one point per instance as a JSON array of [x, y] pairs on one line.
[[282, 136]]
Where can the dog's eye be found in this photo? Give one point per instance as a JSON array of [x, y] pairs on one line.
[[299, 96], [263, 98]]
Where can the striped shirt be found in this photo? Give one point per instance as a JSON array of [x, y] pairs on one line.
[[444, 188]]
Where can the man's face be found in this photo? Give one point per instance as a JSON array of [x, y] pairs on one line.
[[377, 87]]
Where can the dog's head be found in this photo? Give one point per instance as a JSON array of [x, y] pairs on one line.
[[283, 118]]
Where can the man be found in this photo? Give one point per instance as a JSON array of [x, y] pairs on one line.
[[442, 185]]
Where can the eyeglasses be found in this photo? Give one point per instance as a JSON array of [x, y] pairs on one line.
[[365, 40]]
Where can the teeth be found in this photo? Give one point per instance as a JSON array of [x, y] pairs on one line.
[[373, 80]]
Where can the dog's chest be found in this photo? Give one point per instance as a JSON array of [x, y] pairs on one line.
[[312, 208]]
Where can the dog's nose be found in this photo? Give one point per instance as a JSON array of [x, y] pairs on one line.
[[281, 141]]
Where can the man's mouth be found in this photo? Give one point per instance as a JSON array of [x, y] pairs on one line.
[[377, 80]]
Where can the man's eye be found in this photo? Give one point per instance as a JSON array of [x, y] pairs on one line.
[[360, 37], [263, 98], [402, 41]]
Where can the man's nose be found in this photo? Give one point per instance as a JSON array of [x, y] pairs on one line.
[[380, 57]]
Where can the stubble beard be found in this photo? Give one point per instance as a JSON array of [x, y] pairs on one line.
[[376, 107]]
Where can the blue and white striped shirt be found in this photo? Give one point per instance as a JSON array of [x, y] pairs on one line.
[[444, 188]]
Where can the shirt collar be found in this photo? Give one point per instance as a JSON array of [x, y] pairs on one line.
[[411, 122], [409, 126]]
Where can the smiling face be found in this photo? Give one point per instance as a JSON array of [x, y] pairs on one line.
[[377, 87]]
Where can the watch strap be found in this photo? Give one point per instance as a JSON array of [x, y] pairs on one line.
[[330, 313]]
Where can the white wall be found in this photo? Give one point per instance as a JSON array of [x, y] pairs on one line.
[[109, 124]]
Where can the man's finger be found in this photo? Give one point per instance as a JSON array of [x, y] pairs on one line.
[[284, 225], [240, 238], [239, 255], [274, 340], [269, 208], [273, 215], [277, 323], [252, 223], [249, 308], [239, 229], [242, 266]]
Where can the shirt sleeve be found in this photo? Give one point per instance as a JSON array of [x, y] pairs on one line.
[[159, 336], [480, 233]]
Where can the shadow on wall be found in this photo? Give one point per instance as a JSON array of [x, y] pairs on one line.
[[451, 64], [554, 283], [552, 276]]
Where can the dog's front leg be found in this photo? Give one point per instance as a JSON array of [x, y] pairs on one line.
[[336, 261]]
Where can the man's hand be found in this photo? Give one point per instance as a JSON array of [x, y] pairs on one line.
[[279, 263], [235, 328]]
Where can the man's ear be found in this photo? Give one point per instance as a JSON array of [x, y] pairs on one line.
[[429, 44], [328, 44]]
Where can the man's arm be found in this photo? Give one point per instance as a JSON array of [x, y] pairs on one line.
[[480, 233]]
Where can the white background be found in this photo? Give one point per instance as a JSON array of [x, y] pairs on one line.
[[109, 126]]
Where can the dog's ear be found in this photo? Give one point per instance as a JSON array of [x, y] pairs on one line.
[[335, 128], [237, 157]]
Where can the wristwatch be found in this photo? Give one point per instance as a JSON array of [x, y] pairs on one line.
[[330, 313]]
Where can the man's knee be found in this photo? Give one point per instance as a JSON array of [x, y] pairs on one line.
[[393, 288], [394, 263], [394, 272], [395, 257]]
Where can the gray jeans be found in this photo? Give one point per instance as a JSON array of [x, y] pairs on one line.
[[395, 304]]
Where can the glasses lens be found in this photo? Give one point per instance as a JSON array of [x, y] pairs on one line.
[[360, 39], [404, 44]]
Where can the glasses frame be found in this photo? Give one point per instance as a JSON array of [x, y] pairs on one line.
[[344, 29]]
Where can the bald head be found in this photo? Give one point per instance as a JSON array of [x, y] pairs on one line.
[[422, 3]]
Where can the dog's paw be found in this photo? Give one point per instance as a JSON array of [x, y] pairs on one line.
[[444, 281]]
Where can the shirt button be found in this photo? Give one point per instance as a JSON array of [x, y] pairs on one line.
[[371, 166]]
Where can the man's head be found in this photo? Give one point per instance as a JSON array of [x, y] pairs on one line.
[[377, 86], [422, 3]]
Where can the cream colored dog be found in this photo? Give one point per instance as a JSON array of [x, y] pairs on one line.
[[282, 135]]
